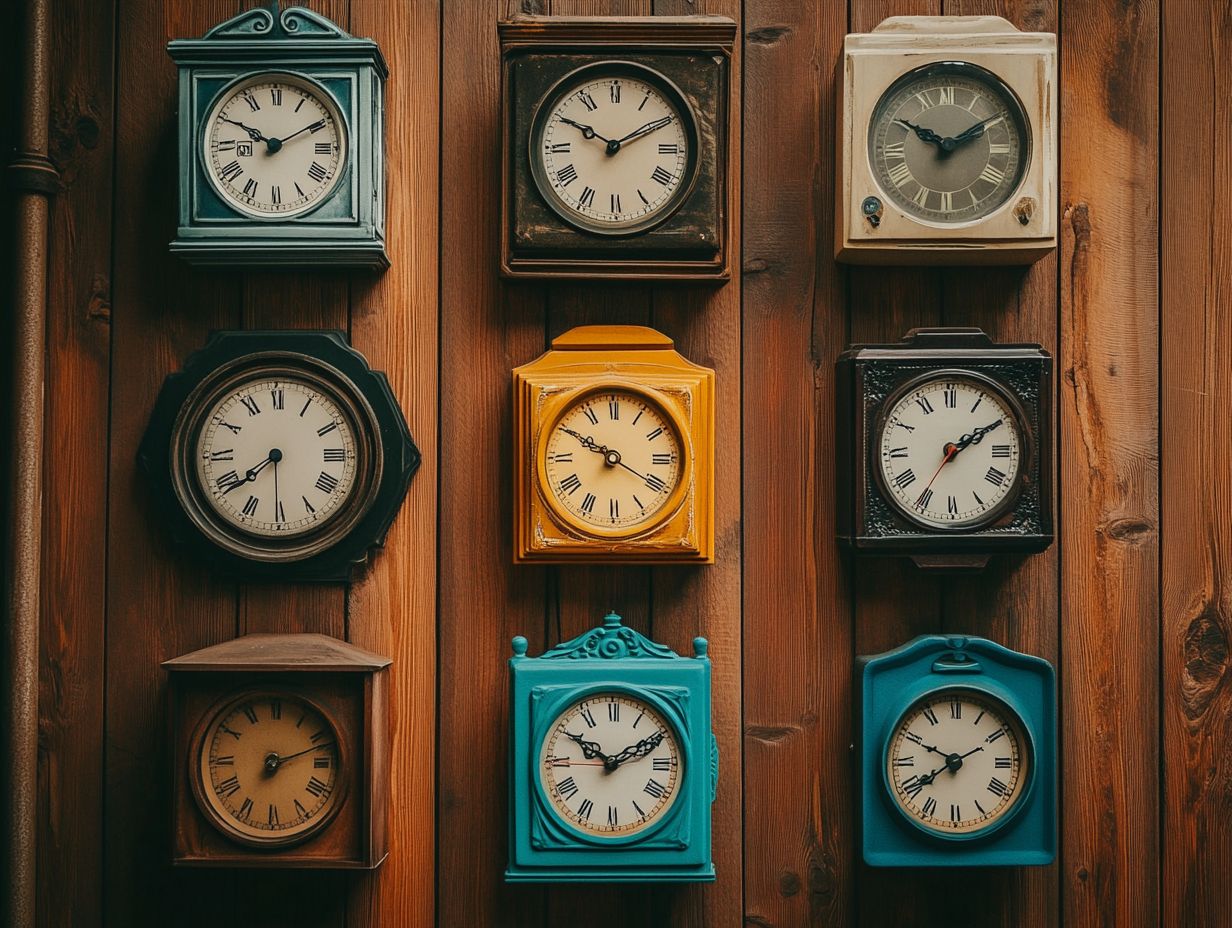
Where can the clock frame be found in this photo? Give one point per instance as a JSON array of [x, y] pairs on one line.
[[611, 659], [346, 227], [349, 686], [870, 379], [870, 227], [688, 58], [935, 665], [589, 360]]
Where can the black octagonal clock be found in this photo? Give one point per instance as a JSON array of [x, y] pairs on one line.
[[279, 454]]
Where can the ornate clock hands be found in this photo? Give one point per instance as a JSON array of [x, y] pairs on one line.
[[924, 135], [974, 438], [610, 457], [635, 751], [587, 131], [590, 749], [253, 134], [974, 132]]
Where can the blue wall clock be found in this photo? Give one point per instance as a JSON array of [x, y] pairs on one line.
[[282, 143], [958, 755], [613, 765]]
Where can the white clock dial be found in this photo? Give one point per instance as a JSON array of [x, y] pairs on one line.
[[950, 451], [613, 460], [613, 152], [275, 146], [958, 762], [611, 765], [276, 458]]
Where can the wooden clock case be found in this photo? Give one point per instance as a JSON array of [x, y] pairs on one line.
[[694, 53], [349, 684], [1024, 228]]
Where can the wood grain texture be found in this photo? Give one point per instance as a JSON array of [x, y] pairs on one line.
[[1196, 494]]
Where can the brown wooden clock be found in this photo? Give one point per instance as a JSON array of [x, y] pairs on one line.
[[945, 448], [281, 754], [616, 146], [614, 451]]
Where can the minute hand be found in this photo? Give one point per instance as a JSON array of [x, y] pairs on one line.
[[646, 129]]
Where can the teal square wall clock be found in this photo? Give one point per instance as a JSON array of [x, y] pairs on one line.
[[281, 143], [957, 755], [613, 765]]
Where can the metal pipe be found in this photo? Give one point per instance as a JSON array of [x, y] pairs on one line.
[[34, 179]]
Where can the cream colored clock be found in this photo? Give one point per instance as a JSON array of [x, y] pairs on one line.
[[948, 143], [614, 450]]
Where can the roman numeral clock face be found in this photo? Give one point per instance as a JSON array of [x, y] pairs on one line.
[[611, 152], [949, 143], [275, 146], [950, 452]]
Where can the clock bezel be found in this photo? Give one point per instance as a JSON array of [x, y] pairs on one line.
[[983, 690], [197, 744], [1026, 456], [561, 89], [559, 407], [341, 174]]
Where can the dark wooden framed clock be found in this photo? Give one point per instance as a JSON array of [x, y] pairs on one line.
[[280, 748], [945, 448], [616, 145]]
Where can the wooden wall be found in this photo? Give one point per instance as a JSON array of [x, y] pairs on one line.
[[1132, 604]]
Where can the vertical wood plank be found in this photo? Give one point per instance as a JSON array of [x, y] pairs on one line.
[[70, 840], [1109, 463], [1196, 298]]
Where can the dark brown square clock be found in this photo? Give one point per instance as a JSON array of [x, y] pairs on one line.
[[945, 448], [616, 147], [280, 749]]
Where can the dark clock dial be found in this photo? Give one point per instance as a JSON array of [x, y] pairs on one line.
[[949, 143]]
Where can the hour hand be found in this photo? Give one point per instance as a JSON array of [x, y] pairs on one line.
[[587, 131], [590, 749], [924, 135]]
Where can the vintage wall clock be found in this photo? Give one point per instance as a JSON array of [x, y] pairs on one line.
[[613, 763], [616, 147], [282, 143], [281, 753], [957, 755], [614, 451], [944, 448], [948, 141], [279, 454]]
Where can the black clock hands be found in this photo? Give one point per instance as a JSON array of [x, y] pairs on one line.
[[653, 125], [973, 438], [274, 760], [974, 132], [590, 749], [253, 472], [252, 133], [636, 751], [924, 135], [610, 457], [587, 131], [319, 124]]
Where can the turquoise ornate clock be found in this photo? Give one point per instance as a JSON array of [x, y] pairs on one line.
[[282, 143], [958, 755], [613, 766]]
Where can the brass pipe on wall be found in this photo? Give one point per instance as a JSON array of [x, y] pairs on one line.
[[34, 179]]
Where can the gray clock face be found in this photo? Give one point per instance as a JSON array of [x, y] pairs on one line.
[[949, 143]]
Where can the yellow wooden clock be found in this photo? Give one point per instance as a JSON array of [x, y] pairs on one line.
[[614, 451]]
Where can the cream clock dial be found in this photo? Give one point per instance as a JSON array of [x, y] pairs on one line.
[[276, 457], [268, 770], [611, 765], [614, 461], [612, 150], [950, 451], [275, 146], [949, 143], [958, 762]]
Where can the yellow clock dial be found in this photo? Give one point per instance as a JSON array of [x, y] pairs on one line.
[[611, 765], [614, 461], [958, 762], [269, 768]]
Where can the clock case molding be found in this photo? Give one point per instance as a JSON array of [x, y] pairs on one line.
[[894, 680], [695, 241], [1024, 228], [621, 357], [347, 229], [867, 376], [611, 658], [318, 352], [350, 684]]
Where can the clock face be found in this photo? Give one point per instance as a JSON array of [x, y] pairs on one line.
[[269, 770], [614, 461], [275, 146], [276, 456], [958, 762], [610, 765], [949, 143], [950, 451], [612, 149]]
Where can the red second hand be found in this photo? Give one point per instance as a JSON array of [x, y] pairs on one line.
[[951, 449]]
